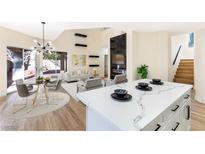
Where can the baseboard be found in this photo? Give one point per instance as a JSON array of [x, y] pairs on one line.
[[199, 99]]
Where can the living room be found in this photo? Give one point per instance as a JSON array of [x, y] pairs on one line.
[[80, 60], [64, 69], [102, 76]]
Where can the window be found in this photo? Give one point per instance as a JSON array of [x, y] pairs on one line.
[[54, 62], [191, 40]]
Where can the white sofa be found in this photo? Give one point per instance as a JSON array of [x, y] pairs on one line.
[[75, 76]]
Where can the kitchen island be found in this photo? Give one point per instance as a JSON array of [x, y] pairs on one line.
[[166, 107]]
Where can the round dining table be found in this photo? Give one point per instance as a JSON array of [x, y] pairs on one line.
[[40, 85]]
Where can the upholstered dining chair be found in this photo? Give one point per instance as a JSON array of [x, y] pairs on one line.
[[54, 77], [20, 81], [117, 80], [23, 92], [54, 86], [89, 84]]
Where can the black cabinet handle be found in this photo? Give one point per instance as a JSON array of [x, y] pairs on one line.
[[158, 127], [177, 106], [174, 129], [188, 112], [187, 96]]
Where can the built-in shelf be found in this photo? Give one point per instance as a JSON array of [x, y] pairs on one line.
[[94, 56], [80, 45], [80, 35], [94, 65]]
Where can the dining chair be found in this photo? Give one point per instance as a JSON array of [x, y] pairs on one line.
[[23, 92], [20, 81], [54, 86]]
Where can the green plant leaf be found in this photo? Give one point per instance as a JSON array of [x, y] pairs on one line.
[[142, 71]]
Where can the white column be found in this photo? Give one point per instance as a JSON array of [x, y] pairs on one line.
[[199, 66], [3, 70], [129, 55]]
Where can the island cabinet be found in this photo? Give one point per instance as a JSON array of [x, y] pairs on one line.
[[166, 108], [175, 118]]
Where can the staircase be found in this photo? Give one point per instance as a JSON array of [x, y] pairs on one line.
[[185, 72]]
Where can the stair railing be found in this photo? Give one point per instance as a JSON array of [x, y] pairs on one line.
[[175, 59]]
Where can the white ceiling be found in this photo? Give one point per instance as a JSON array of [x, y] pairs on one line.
[[54, 29]]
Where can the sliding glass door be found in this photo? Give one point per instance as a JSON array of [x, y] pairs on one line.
[[54, 62], [29, 64], [14, 65], [20, 65]]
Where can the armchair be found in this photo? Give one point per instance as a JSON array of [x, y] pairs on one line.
[[89, 84], [117, 80]]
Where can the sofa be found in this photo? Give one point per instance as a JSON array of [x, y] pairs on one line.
[[73, 76]]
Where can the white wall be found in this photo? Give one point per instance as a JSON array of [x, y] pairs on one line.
[[151, 48], [15, 39], [98, 42], [66, 42], [199, 66], [187, 52]]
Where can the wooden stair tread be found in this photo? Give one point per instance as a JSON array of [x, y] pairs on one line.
[[185, 70], [187, 61], [184, 77], [182, 60], [184, 74], [181, 80], [186, 65]]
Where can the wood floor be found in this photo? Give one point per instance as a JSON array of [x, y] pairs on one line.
[[198, 115], [72, 117]]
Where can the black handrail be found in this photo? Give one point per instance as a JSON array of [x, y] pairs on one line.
[[175, 59]]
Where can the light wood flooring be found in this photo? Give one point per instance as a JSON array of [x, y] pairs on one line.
[[197, 115], [72, 118]]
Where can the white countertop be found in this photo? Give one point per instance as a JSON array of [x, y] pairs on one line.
[[122, 114]]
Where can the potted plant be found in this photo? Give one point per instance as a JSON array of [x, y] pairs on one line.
[[142, 71], [39, 80]]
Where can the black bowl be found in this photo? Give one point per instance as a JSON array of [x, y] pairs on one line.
[[156, 80], [120, 92], [143, 84]]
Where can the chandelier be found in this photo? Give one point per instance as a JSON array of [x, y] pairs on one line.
[[43, 47]]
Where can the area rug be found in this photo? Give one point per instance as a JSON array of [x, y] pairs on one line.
[[71, 89], [56, 101]]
